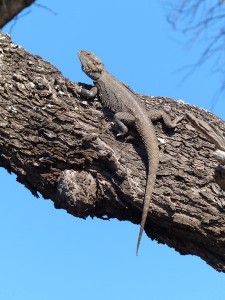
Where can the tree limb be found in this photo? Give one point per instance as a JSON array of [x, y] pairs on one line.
[[205, 19], [10, 8], [213, 135], [66, 149]]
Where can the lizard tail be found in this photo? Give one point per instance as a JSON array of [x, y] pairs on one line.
[[148, 194]]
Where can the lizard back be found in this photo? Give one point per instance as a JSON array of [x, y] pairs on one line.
[[119, 99]]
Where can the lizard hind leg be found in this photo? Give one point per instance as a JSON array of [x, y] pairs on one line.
[[122, 118], [161, 114]]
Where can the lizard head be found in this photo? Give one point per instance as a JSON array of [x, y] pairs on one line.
[[91, 64]]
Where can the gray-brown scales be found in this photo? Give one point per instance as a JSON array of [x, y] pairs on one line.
[[128, 109]]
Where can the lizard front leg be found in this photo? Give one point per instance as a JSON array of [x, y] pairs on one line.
[[161, 114], [88, 93]]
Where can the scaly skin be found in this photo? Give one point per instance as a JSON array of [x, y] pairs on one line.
[[128, 109]]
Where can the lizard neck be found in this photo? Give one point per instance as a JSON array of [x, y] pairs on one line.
[[102, 77]]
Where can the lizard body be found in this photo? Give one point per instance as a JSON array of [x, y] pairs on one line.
[[130, 110]]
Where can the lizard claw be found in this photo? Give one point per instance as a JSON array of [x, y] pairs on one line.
[[120, 133], [178, 119]]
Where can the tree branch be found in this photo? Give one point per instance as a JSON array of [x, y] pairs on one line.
[[202, 18], [10, 8], [66, 149]]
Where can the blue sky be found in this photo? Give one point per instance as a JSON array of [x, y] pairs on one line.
[[47, 253]]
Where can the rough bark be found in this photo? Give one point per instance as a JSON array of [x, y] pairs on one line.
[[66, 149], [10, 8]]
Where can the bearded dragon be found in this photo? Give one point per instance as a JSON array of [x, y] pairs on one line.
[[128, 109]]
